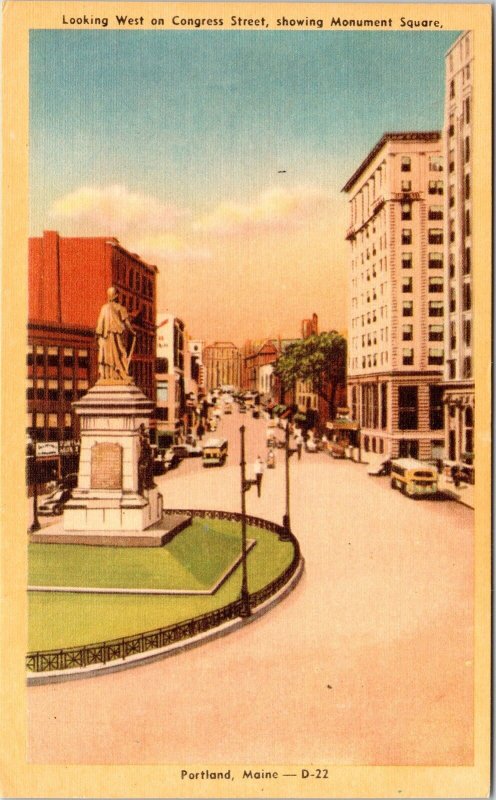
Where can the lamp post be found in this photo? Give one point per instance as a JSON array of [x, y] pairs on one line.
[[245, 487], [286, 523], [35, 525]]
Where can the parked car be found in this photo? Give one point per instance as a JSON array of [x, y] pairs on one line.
[[171, 460], [69, 481], [54, 504], [187, 450], [383, 468]]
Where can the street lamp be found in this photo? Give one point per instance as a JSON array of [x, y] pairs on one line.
[[286, 524], [245, 487], [35, 525]]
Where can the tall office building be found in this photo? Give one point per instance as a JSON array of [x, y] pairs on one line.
[[459, 253], [396, 307]]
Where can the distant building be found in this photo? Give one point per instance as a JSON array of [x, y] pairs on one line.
[[459, 252], [396, 306], [68, 282], [170, 378], [222, 362]]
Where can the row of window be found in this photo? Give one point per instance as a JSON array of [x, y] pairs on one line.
[[466, 368], [436, 308], [434, 236], [435, 356], [53, 356], [53, 390]]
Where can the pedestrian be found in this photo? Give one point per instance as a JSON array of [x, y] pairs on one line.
[[299, 444], [271, 459], [455, 475], [259, 470], [200, 431]]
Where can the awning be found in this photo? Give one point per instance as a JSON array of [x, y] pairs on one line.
[[285, 414], [343, 425]]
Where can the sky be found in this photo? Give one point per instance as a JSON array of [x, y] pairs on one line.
[[174, 141]]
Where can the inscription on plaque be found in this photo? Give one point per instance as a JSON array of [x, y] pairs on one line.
[[106, 466]]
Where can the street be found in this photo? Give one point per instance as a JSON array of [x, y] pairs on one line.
[[369, 659]]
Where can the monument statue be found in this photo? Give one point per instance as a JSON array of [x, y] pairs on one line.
[[113, 321]]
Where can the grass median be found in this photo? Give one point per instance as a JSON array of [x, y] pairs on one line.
[[195, 559]]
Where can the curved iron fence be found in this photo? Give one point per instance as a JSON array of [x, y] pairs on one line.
[[118, 649]]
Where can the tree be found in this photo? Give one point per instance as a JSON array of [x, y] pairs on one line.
[[319, 359]]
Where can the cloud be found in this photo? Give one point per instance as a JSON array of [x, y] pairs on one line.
[[115, 211], [167, 248], [276, 208]]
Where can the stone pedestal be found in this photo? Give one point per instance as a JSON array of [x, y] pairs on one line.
[[107, 498]]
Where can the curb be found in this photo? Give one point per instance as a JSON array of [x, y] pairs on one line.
[[42, 678]]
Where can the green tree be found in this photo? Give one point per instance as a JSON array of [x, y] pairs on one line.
[[319, 359]]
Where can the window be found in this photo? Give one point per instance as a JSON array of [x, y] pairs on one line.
[[408, 308], [436, 356], [435, 212], [83, 361], [406, 211], [452, 368], [53, 390], [162, 391], [467, 297], [435, 235], [406, 164], [162, 365], [453, 335], [162, 413], [406, 236], [451, 160], [452, 265], [451, 196], [467, 332], [452, 89], [467, 186], [436, 187], [40, 357], [452, 230], [467, 110], [436, 284], [467, 367], [68, 390], [406, 260], [452, 299], [467, 266], [407, 284], [406, 186], [407, 333], [68, 357], [436, 308], [30, 389], [451, 127], [53, 357], [435, 260], [384, 405], [467, 222], [407, 356], [467, 148], [408, 408], [436, 333], [436, 421], [435, 163], [40, 389]]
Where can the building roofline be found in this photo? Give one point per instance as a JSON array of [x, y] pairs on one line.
[[456, 42], [407, 136]]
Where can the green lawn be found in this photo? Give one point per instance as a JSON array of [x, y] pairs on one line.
[[195, 559], [65, 620]]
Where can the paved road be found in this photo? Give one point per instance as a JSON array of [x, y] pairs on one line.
[[368, 661]]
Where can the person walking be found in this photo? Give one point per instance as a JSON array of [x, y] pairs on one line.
[[259, 470], [299, 444]]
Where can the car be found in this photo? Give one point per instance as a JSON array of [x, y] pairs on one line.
[[383, 468], [54, 504], [187, 450], [242, 409], [171, 460], [69, 481]]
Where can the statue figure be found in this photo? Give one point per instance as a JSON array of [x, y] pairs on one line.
[[113, 360], [145, 462]]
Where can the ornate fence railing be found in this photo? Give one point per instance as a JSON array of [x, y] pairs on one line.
[[122, 648]]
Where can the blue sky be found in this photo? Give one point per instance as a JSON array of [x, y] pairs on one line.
[[197, 119]]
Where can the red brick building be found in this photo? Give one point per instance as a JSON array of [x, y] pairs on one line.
[[68, 282]]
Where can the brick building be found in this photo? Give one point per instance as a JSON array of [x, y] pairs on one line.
[[68, 282]]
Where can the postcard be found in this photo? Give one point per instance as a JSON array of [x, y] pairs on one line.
[[246, 399]]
